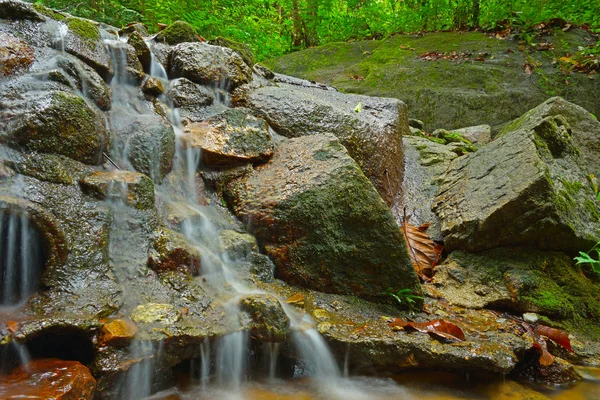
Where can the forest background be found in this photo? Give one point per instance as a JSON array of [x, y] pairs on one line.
[[272, 28]]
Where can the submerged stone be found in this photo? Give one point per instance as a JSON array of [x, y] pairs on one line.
[[232, 137], [321, 220], [530, 187], [49, 379]]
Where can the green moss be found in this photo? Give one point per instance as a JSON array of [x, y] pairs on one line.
[[85, 29], [178, 32], [592, 207], [55, 15]]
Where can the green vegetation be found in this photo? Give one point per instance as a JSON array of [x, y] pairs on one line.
[[405, 297], [587, 259], [277, 27]]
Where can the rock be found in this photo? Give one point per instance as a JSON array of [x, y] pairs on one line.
[[208, 65], [424, 162], [242, 49], [353, 247], [192, 100], [560, 372], [177, 32], [49, 379], [58, 122], [141, 50], [237, 245], [86, 80], [445, 93], [148, 140], [136, 189], [529, 187], [263, 71], [10, 9], [51, 168], [152, 312], [83, 41], [153, 87], [172, 252], [531, 318], [453, 138], [117, 333], [233, 137], [584, 127], [15, 54], [137, 27], [220, 177], [415, 123], [373, 136], [478, 135], [269, 322]]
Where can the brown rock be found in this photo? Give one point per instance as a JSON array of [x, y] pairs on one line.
[[15, 54], [135, 188], [172, 252], [117, 333], [49, 379]]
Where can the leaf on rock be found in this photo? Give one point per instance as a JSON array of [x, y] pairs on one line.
[[438, 327], [424, 252], [556, 335], [539, 343]]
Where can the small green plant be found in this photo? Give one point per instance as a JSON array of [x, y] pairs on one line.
[[586, 258], [404, 296]]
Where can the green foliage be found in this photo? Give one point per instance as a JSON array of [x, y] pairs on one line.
[[586, 258], [275, 28], [404, 297]]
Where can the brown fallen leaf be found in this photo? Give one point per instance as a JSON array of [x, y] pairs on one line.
[[424, 252], [296, 300], [12, 326], [437, 327], [539, 343], [556, 335]]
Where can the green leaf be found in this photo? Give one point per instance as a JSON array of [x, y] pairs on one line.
[[358, 107]]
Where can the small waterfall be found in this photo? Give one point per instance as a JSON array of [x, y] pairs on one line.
[[59, 42], [21, 258], [156, 68], [315, 352], [232, 352], [140, 377], [12, 355], [204, 363], [273, 355]]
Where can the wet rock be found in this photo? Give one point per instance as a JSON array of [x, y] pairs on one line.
[[10, 9], [15, 54], [192, 100], [149, 141], [424, 162], [263, 71], [117, 333], [529, 187], [152, 312], [49, 379], [584, 128], [242, 49], [83, 41], [177, 32], [478, 135], [269, 323], [172, 252], [51, 168], [353, 247], [531, 318], [373, 136], [153, 87], [558, 373], [141, 50], [136, 189], [137, 27], [58, 122], [238, 245], [232, 137], [415, 123], [209, 65], [87, 81], [219, 178]]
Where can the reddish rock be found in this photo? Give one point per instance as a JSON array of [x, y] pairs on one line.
[[117, 333], [49, 379], [15, 54]]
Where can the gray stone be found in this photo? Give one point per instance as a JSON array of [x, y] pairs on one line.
[[134, 188], [478, 135], [87, 81], [529, 187], [193, 101]]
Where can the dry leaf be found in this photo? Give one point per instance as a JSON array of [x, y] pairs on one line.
[[424, 252], [556, 335], [438, 327]]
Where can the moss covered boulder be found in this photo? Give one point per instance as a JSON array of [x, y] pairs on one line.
[[242, 49], [370, 128], [322, 222], [177, 32], [134, 188], [141, 50], [83, 40], [58, 122], [86, 80], [529, 187], [235, 136], [584, 127], [206, 64]]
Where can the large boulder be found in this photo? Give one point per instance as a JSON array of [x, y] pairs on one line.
[[133, 188], [321, 220], [83, 40], [370, 128], [57, 122], [234, 136], [193, 101], [206, 64], [49, 379], [529, 187], [242, 49], [585, 128], [177, 32]]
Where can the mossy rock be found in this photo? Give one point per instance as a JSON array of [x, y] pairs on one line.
[[268, 321], [172, 252], [177, 32], [19, 10], [61, 123], [242, 49], [141, 50], [48, 12], [237, 245], [85, 29], [134, 188]]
